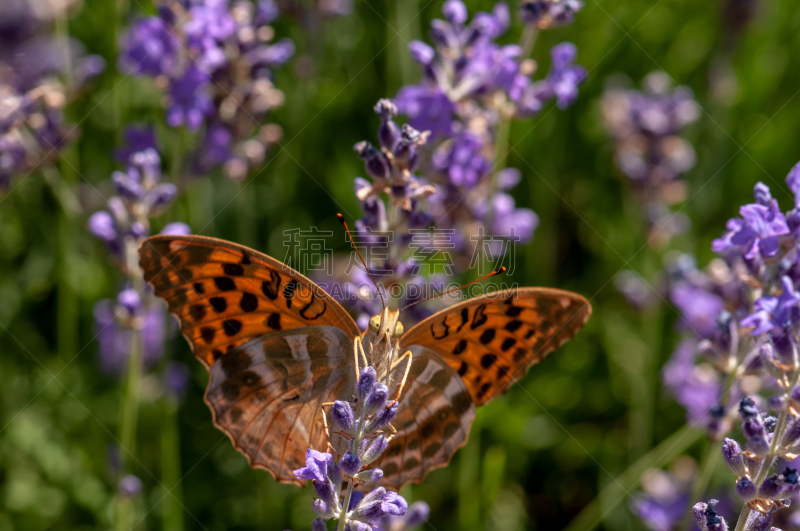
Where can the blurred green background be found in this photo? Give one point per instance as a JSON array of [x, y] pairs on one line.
[[538, 455]]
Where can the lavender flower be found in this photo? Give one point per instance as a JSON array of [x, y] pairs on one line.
[[545, 14], [41, 75], [645, 127], [367, 444], [216, 59]]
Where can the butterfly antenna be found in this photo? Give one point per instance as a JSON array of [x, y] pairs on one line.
[[498, 271], [343, 222]]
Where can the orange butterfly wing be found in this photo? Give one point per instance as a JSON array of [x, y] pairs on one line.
[[275, 344], [467, 355]]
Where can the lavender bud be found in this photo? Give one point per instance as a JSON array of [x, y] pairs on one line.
[[417, 515], [732, 455], [382, 419], [794, 394], [777, 402], [712, 521], [770, 489], [762, 522], [792, 433], [335, 475], [442, 34], [753, 427], [102, 225], [162, 195], [375, 162], [366, 381], [747, 408], [326, 492], [455, 11], [127, 187], [790, 476], [758, 446], [699, 512], [769, 422], [318, 525], [323, 510], [746, 489], [421, 52], [374, 450], [129, 486], [374, 474], [350, 463], [130, 300], [343, 415], [762, 194], [376, 399]]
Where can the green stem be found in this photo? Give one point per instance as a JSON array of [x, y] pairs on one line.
[[171, 466], [620, 486], [743, 517], [343, 519], [528, 40], [127, 433]]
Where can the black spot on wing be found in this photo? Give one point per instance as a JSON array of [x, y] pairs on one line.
[[225, 283], [218, 303], [270, 287], [231, 327], [479, 319], [249, 302], [233, 270]]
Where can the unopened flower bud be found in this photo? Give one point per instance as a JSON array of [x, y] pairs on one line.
[[770, 488], [746, 489], [376, 399], [366, 381], [732, 455], [323, 510], [374, 474], [350, 463], [758, 446], [382, 419], [777, 403], [343, 415], [747, 408], [374, 449]]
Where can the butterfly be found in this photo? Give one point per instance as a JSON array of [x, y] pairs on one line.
[[277, 347]]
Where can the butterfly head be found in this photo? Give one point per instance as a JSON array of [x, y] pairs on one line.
[[386, 322]]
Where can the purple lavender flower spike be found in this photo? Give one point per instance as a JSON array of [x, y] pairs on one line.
[[380, 503], [316, 466], [707, 517], [176, 380]]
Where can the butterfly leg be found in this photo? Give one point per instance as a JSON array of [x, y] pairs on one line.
[[405, 373], [325, 423]]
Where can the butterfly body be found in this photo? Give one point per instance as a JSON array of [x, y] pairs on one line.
[[277, 347]]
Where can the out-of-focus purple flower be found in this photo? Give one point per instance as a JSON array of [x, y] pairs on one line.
[[699, 308], [176, 379], [546, 14], [696, 388], [659, 514], [149, 48], [176, 228], [645, 126], [428, 109], [415, 518], [190, 102], [462, 159], [115, 336], [129, 486], [137, 139], [216, 60]]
